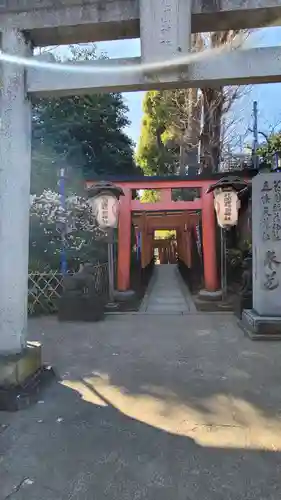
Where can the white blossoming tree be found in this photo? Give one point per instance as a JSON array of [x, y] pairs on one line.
[[53, 226]]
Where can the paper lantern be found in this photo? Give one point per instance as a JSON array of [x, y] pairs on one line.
[[106, 210], [227, 205]]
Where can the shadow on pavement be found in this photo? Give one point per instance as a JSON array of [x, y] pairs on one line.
[[162, 407], [67, 448]]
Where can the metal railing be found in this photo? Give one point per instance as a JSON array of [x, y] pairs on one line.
[[45, 289]]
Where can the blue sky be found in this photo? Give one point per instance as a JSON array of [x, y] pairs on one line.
[[127, 48], [268, 96]]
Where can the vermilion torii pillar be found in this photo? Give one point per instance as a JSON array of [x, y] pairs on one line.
[[211, 280], [124, 241]]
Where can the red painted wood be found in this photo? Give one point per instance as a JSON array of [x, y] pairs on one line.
[[137, 206], [167, 184], [124, 242], [209, 243], [166, 195]]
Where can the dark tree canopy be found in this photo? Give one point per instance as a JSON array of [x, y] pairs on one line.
[[85, 133], [86, 136]]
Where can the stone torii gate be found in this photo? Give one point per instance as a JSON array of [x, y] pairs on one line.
[[164, 27]]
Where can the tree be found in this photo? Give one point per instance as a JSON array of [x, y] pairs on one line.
[[271, 145], [83, 239], [171, 128], [216, 104], [86, 133], [150, 196], [165, 234], [153, 155]]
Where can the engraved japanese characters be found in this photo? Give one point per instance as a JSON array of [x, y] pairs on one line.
[[266, 232], [270, 225]]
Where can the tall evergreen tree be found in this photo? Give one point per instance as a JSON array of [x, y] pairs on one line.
[[85, 133], [154, 154]]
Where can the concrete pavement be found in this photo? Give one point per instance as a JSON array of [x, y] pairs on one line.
[[168, 293], [148, 407]]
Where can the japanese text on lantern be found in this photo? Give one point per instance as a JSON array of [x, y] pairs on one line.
[[227, 205], [270, 222], [104, 210]]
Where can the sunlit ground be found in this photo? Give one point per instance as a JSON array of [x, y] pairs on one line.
[[225, 422], [195, 376], [148, 407]]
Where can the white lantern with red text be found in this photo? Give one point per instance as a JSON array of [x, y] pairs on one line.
[[105, 207], [227, 205]]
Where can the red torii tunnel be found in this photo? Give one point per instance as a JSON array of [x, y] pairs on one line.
[[182, 222], [166, 214]]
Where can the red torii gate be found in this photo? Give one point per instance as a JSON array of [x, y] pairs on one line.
[[204, 203], [182, 222]]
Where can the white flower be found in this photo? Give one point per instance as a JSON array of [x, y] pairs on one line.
[[75, 216]]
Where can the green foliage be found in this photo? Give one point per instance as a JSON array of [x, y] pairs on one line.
[[150, 196], [268, 148], [85, 133], [172, 129], [165, 234], [154, 154], [236, 256], [45, 246], [185, 194], [45, 168], [83, 241]]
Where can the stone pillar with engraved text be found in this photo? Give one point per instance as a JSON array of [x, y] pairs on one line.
[[265, 318], [165, 27]]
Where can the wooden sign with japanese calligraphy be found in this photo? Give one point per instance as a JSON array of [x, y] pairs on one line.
[[266, 227]]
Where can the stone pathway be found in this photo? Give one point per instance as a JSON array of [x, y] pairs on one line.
[[150, 408], [168, 293]]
